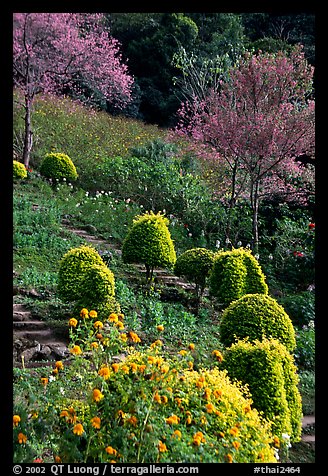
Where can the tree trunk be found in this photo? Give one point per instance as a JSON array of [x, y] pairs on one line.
[[28, 137], [255, 210]]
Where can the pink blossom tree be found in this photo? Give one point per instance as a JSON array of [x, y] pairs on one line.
[[259, 122], [54, 50]]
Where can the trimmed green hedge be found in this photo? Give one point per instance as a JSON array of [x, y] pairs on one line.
[[19, 170], [269, 371], [195, 265], [256, 316], [58, 166]]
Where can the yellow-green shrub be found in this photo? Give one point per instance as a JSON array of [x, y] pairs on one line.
[[256, 316], [19, 170], [234, 274], [149, 242], [58, 166], [269, 371], [195, 265]]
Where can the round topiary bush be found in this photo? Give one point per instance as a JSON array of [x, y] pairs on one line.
[[58, 166], [19, 170], [256, 316], [269, 371], [98, 283], [195, 265], [149, 242], [73, 269], [234, 274]]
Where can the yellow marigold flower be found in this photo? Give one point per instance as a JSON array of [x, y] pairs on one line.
[[218, 355], [94, 345], [93, 314], [104, 372], [182, 352], [196, 441], [97, 395], [123, 337], [111, 451], [151, 359], [98, 325], [125, 369], [165, 368], [21, 438], [113, 317], [207, 393], [119, 325], [59, 365], [120, 316], [142, 368], [177, 434], [200, 435], [156, 343], [134, 337], [76, 350], [44, 381], [164, 399], [160, 328], [228, 458], [236, 444], [233, 431], [115, 367], [84, 312], [247, 408], [190, 365], [72, 322], [161, 447], [172, 420], [191, 346], [199, 383], [95, 422], [78, 429], [209, 407], [16, 420], [55, 371]]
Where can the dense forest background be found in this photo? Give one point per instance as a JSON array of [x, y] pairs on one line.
[[157, 47]]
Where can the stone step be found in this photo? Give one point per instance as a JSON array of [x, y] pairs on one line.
[[308, 420], [29, 325], [21, 316], [41, 336]]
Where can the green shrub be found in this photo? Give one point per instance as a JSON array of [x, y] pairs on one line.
[[149, 242], [300, 307], [58, 166], [98, 283], [305, 347], [19, 170], [73, 268], [270, 373], [195, 265], [234, 274], [256, 316]]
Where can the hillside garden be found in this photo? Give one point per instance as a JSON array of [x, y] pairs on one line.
[[150, 374]]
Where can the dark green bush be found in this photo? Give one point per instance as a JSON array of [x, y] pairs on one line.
[[236, 273], [58, 166], [269, 370], [19, 170], [195, 265], [255, 316], [149, 242], [73, 269], [300, 307], [305, 347]]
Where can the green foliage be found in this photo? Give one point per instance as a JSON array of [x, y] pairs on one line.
[[270, 373], [300, 307], [98, 283], [305, 347], [195, 265], [149, 242], [57, 166], [19, 170], [236, 273], [73, 269], [104, 307], [256, 316]]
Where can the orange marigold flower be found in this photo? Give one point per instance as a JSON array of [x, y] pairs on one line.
[[93, 314], [104, 372], [113, 317], [99, 336], [120, 316], [142, 368], [119, 325], [160, 328], [165, 368], [177, 434], [134, 367], [64, 413], [76, 350], [164, 399], [218, 355], [16, 420], [115, 367], [233, 431], [58, 459], [161, 447], [97, 395], [228, 458], [125, 369], [217, 393], [78, 429], [44, 381], [276, 441], [207, 393], [84, 312], [209, 407], [98, 325], [55, 371], [95, 422], [157, 398], [111, 451], [21, 438], [133, 420], [94, 345], [59, 365], [182, 352], [236, 444], [172, 420], [190, 365], [72, 322], [134, 337], [191, 346]]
